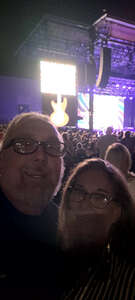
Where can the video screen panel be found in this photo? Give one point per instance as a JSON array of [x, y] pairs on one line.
[[58, 78], [107, 111], [83, 110]]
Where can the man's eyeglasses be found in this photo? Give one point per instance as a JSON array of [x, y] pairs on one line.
[[28, 146], [97, 200]]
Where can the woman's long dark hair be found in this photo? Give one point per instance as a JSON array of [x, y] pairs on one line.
[[120, 234]]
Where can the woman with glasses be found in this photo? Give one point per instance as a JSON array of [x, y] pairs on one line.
[[95, 225]]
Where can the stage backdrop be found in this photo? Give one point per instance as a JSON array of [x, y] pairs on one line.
[[71, 108]]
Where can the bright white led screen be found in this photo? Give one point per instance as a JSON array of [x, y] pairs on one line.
[[58, 78], [107, 111]]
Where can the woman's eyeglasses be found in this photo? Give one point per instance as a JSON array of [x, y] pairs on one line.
[[97, 199]]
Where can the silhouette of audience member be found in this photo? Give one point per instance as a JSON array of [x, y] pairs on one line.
[[120, 135], [79, 153], [128, 141], [119, 155], [106, 140], [95, 223], [31, 171]]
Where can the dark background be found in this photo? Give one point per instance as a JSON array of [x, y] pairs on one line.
[[18, 19]]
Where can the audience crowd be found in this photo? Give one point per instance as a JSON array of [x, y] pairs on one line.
[[82, 144]]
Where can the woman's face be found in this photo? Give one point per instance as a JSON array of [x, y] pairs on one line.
[[92, 210]]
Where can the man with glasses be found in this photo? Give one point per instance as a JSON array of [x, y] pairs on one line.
[[31, 171]]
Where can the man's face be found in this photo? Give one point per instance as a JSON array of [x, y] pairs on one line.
[[29, 181]]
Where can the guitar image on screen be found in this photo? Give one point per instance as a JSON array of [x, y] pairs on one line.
[[59, 117]]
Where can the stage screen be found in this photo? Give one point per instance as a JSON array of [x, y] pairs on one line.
[[107, 111], [83, 110], [57, 78]]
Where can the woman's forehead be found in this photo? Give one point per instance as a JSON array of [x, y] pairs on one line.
[[94, 178]]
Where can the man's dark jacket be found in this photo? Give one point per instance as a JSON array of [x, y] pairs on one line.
[[28, 251]]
